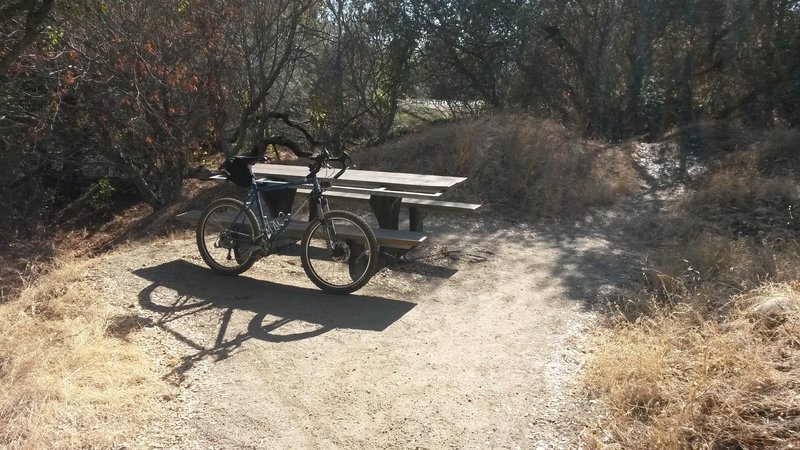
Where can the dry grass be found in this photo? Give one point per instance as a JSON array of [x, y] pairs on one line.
[[707, 268], [690, 363], [515, 164], [736, 231], [24, 259], [681, 380], [65, 382], [742, 200]]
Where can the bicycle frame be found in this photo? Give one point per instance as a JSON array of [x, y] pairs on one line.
[[317, 203], [338, 249]]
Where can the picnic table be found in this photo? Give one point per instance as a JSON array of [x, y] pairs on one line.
[[386, 193]]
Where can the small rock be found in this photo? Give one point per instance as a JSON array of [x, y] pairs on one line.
[[774, 311]]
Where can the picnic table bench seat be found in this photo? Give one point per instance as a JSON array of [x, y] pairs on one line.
[[356, 198]]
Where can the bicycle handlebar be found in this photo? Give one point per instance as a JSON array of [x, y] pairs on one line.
[[323, 157]]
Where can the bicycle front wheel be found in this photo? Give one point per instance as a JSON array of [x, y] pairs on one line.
[[226, 236], [339, 252]]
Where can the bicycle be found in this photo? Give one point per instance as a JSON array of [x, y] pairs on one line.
[[339, 251]]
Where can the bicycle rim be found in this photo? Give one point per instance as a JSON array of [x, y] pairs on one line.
[[225, 237], [345, 264]]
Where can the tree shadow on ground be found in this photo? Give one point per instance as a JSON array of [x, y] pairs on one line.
[[594, 275], [602, 275], [589, 260], [192, 289]]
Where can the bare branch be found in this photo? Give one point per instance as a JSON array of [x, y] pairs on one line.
[[36, 16]]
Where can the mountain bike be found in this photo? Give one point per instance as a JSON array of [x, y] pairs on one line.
[[338, 249]]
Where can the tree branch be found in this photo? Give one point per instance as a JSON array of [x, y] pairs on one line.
[[32, 22]]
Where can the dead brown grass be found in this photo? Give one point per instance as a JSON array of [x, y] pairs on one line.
[[693, 361], [515, 164], [65, 382], [680, 380]]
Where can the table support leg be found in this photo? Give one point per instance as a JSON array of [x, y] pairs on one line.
[[357, 261], [387, 211], [416, 219]]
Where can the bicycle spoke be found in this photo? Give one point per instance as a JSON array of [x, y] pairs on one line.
[[226, 235], [343, 264]]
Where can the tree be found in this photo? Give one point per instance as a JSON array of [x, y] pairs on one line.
[[22, 18], [471, 47], [270, 42], [362, 66]]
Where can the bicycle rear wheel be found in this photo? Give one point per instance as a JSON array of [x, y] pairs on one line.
[[339, 252], [226, 236]]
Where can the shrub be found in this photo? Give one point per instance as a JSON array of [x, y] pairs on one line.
[[517, 164]]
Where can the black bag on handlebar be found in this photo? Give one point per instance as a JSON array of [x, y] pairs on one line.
[[238, 172]]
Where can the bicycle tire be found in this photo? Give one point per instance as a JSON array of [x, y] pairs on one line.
[[339, 268], [229, 243]]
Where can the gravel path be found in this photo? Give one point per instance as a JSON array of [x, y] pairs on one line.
[[474, 341]]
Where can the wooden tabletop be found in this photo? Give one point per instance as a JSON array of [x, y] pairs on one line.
[[364, 178]]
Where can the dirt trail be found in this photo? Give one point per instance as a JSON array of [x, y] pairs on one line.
[[473, 343]]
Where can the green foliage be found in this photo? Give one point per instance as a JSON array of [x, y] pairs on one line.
[[102, 189], [54, 35]]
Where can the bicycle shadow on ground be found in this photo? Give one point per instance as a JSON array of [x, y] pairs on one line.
[[180, 289]]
